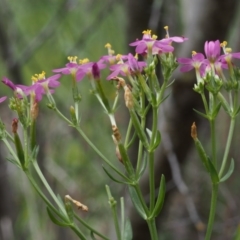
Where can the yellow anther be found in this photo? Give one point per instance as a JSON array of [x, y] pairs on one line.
[[136, 56], [223, 44], [154, 37], [83, 61], [228, 50], [37, 77], [147, 32], [72, 59], [108, 45], [166, 28], [194, 53], [111, 52], [118, 57]]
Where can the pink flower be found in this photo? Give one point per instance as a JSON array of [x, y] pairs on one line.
[[127, 68], [212, 50], [197, 62], [2, 99]]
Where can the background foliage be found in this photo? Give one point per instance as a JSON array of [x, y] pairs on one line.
[[39, 35]]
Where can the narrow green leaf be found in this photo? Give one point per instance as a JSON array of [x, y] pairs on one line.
[[156, 142], [13, 161], [128, 235], [136, 202], [139, 130], [92, 236], [213, 172], [55, 220], [143, 167], [170, 83], [114, 179], [126, 161], [161, 196], [163, 99], [200, 113], [216, 110], [202, 154], [229, 172]]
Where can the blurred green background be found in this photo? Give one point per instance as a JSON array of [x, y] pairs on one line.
[[38, 36]]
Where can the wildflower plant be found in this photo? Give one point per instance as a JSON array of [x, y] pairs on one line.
[[144, 92]]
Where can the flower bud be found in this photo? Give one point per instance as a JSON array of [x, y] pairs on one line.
[[194, 131], [95, 71], [128, 97]]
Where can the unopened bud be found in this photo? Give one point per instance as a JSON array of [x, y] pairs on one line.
[[95, 71], [128, 98], [118, 154], [14, 125], [34, 110], [194, 131], [77, 203], [116, 133]]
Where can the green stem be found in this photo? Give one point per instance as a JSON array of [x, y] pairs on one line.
[[41, 194], [78, 232], [45, 183], [228, 144], [152, 229], [213, 141], [100, 153], [151, 181], [212, 211], [140, 196], [89, 227]]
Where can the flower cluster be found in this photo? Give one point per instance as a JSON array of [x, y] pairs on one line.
[[214, 61], [119, 65]]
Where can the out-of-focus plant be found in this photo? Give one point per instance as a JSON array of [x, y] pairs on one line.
[[143, 92]]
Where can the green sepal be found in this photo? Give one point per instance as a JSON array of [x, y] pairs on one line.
[[229, 172], [128, 234], [136, 202], [114, 179], [202, 154], [201, 114], [161, 196], [213, 172], [55, 220], [143, 167]]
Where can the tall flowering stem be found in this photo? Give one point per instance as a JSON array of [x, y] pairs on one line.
[[210, 77]]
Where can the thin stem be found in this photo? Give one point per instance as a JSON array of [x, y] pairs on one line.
[[41, 194], [89, 227], [140, 196], [152, 229], [212, 211], [100, 153], [228, 144], [151, 181], [78, 232], [122, 217], [213, 141], [44, 181]]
